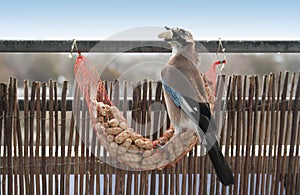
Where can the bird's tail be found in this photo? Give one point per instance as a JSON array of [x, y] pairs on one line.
[[222, 168]]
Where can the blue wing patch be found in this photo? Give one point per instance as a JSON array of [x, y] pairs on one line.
[[176, 97]]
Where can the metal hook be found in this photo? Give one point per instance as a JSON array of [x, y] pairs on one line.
[[74, 45], [222, 49]]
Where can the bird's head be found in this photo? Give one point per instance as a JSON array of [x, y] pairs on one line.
[[177, 37]]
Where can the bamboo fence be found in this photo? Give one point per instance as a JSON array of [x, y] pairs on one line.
[[46, 148]]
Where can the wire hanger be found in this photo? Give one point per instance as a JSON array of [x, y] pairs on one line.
[[220, 49], [74, 46]]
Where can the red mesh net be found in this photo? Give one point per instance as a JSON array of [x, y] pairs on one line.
[[211, 74], [88, 78]]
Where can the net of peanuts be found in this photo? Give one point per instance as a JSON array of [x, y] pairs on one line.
[[134, 150], [123, 144]]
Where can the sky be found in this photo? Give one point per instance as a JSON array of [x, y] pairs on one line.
[[98, 20]]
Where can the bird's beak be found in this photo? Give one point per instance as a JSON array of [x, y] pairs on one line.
[[168, 34]]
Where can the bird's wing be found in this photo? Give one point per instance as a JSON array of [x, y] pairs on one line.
[[199, 112]]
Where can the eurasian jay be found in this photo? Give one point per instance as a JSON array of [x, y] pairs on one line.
[[186, 97]]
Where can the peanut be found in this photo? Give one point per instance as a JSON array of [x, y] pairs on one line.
[[123, 125], [113, 110], [155, 158], [147, 153], [168, 133], [162, 140], [101, 119], [130, 130], [133, 149], [120, 117], [113, 122], [110, 138], [135, 136], [124, 146], [122, 137], [129, 157], [122, 150], [147, 144], [114, 131], [127, 143]]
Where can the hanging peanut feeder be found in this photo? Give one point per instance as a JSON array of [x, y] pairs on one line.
[[122, 142]]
